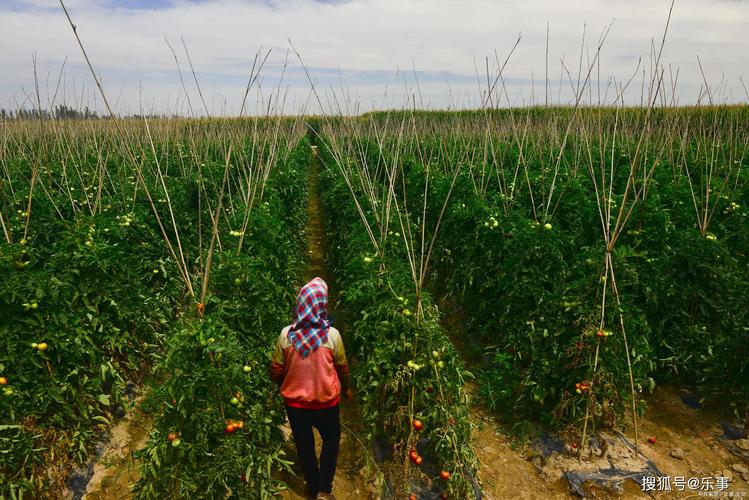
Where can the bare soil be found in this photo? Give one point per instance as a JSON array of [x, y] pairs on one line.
[[520, 472], [117, 469]]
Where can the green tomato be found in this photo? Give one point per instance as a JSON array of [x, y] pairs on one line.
[[237, 281], [441, 364], [8, 391], [435, 354], [234, 401], [247, 368], [176, 442]]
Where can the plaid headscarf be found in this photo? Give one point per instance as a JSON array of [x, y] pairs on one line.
[[310, 328]]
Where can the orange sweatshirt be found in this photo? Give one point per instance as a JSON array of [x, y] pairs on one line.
[[312, 382]]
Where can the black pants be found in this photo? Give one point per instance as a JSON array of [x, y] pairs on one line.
[[328, 422]]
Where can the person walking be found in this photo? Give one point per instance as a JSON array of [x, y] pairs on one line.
[[309, 364]]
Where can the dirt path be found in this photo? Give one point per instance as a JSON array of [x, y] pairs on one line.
[[506, 472], [351, 481], [117, 469], [696, 432]]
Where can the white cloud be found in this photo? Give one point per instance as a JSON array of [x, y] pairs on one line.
[[368, 40]]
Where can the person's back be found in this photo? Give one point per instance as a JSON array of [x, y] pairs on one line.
[[309, 363], [310, 382]]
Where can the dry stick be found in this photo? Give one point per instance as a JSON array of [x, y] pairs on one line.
[[8, 240], [214, 232], [605, 226], [169, 206], [501, 68], [578, 98], [521, 151], [253, 77], [200, 92], [707, 87], [651, 103], [622, 218], [181, 80], [437, 225], [183, 272], [36, 164]]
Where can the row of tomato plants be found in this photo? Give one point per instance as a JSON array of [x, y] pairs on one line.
[[217, 416], [529, 293], [84, 304], [408, 378], [89, 302]]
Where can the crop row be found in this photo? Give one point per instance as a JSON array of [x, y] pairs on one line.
[[217, 414], [91, 300], [407, 375], [522, 256]]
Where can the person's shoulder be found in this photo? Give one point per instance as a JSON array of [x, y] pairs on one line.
[[283, 337], [334, 336]]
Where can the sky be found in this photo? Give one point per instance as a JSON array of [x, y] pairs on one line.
[[362, 55]]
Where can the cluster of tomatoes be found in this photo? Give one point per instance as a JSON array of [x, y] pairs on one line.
[[582, 387], [41, 346], [416, 459], [232, 425], [7, 391], [174, 439]]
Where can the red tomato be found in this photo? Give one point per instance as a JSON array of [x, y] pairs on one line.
[[445, 475], [418, 425]]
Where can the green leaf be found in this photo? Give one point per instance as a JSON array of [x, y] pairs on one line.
[[104, 399]]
